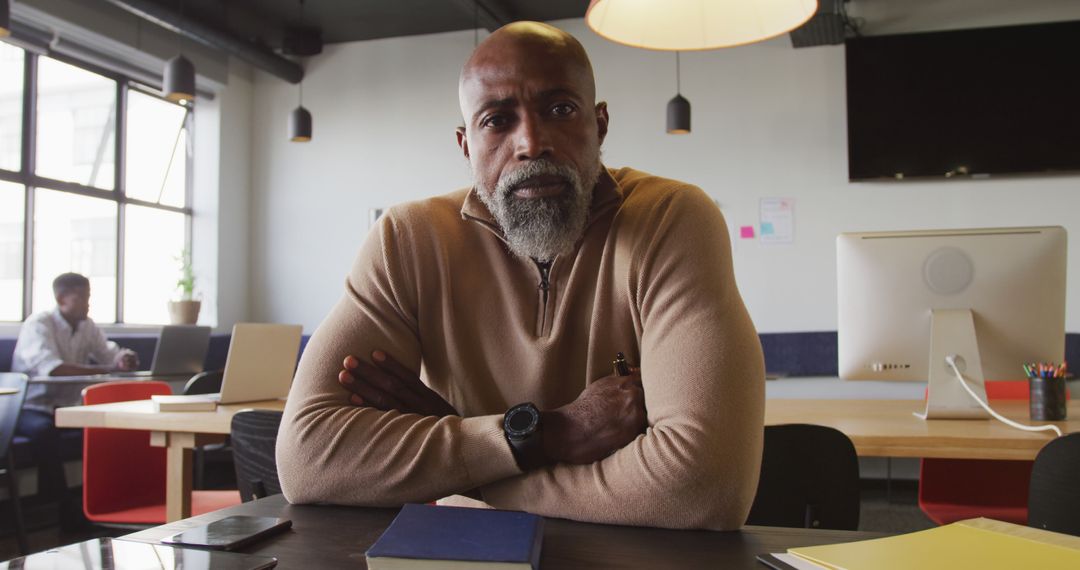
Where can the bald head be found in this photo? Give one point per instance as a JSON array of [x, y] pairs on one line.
[[532, 134], [520, 48]]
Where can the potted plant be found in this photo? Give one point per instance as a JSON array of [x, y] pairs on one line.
[[185, 311]]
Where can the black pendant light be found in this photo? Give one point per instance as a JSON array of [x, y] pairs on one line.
[[300, 118], [678, 109], [5, 18], [179, 81], [300, 125]]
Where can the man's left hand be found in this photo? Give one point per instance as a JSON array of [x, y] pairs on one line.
[[387, 385]]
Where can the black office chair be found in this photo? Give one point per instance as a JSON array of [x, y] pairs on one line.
[[254, 436], [10, 407], [809, 479], [1054, 493], [208, 382]]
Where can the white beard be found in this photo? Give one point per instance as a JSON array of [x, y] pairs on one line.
[[542, 228]]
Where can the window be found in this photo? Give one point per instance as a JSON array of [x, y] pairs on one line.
[[75, 233], [122, 223], [148, 234], [11, 106], [11, 251], [76, 122], [157, 145]]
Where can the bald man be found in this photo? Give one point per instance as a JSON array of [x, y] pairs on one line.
[[472, 351]]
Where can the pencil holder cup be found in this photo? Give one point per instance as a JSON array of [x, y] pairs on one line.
[[1047, 399]]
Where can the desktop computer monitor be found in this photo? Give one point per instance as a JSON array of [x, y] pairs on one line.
[[994, 298]]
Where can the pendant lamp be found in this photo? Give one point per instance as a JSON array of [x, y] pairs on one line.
[[179, 83], [5, 18], [179, 76], [685, 25], [300, 125], [678, 109], [300, 118]]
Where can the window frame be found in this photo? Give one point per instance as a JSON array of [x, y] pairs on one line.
[[31, 181]]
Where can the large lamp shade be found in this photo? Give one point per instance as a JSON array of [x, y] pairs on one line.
[[686, 25], [5, 18], [179, 82], [300, 125]]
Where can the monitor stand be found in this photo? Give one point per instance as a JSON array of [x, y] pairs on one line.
[[952, 331]]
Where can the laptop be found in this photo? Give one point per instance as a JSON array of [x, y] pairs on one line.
[[180, 351], [261, 363]]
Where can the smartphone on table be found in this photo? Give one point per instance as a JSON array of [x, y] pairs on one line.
[[229, 533]]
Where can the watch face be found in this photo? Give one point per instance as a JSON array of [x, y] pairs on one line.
[[521, 421]]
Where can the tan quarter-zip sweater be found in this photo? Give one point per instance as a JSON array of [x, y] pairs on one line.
[[435, 286]]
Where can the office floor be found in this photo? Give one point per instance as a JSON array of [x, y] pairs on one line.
[[879, 513], [892, 509]]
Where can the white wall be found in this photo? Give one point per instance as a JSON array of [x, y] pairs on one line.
[[384, 119], [221, 227], [769, 120]]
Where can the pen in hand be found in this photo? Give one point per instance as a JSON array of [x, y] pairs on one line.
[[620, 366]]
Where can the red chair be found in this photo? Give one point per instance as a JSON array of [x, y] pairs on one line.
[[123, 476], [956, 489]]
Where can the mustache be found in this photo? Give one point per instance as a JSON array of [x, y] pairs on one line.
[[540, 167]]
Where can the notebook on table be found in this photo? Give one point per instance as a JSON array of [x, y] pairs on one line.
[[981, 543], [427, 537]]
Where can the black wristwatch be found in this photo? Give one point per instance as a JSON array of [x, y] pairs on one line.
[[521, 426]]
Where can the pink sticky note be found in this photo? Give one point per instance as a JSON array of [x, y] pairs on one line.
[[746, 232]]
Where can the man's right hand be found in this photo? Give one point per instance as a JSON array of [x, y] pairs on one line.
[[127, 360], [609, 414], [388, 385]]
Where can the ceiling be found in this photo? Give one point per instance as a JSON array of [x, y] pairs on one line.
[[264, 22], [255, 29]]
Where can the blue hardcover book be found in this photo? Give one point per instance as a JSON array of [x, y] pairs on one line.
[[425, 536]]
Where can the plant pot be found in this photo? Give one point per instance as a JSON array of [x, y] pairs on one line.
[[184, 312]]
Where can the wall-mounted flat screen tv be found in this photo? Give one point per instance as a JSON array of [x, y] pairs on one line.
[[967, 102]]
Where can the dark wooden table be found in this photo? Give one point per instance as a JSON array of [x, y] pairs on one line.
[[336, 537]]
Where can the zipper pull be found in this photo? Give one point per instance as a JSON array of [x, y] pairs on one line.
[[545, 270]]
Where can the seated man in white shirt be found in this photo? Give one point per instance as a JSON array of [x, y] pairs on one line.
[[63, 341]]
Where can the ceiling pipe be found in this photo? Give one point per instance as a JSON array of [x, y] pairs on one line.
[[492, 14], [41, 42], [212, 38]]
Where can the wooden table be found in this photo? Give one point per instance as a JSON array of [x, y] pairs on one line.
[[337, 537], [178, 432], [883, 428], [887, 428]]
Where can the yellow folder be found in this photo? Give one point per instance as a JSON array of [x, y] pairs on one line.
[[975, 543]]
